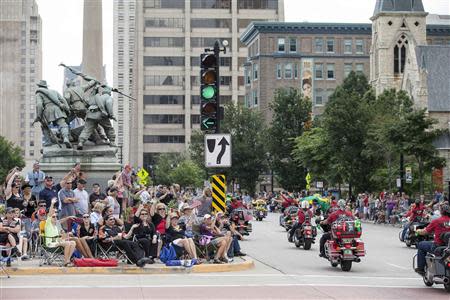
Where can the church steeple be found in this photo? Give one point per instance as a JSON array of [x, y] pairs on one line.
[[398, 26], [398, 6]]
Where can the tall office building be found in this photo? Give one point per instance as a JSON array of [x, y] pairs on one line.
[[124, 49], [170, 36], [20, 70]]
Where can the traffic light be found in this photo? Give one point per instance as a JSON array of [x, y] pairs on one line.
[[209, 91]]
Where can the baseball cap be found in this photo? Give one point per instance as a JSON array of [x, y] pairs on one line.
[[207, 216], [49, 177], [82, 181]]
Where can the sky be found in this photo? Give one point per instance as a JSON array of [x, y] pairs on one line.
[[62, 27]]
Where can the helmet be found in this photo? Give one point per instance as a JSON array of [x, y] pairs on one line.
[[341, 204], [417, 201], [305, 204], [445, 208]]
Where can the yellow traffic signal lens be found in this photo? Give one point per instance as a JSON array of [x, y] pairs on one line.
[[209, 77]]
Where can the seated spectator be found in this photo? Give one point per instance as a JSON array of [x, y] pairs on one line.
[[143, 231], [9, 230], [87, 232], [208, 229], [96, 213], [176, 235], [111, 233], [161, 221], [109, 211], [55, 235], [226, 226], [187, 220], [22, 245]]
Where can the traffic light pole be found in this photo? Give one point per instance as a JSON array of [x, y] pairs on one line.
[[217, 55]]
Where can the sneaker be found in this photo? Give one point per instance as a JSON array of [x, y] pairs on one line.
[[321, 254], [240, 254], [419, 271], [24, 257], [217, 261]]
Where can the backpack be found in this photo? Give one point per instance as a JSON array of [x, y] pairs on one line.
[[167, 253]]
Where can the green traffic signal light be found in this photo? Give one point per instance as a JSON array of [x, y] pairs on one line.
[[208, 92]]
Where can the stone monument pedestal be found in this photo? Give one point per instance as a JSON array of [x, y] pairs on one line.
[[99, 162]]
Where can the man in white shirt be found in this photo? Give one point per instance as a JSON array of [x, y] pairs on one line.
[[82, 205]]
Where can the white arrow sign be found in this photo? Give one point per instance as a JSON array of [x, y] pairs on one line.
[[218, 150]]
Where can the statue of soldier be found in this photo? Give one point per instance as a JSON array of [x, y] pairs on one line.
[[51, 107], [75, 96], [100, 112]]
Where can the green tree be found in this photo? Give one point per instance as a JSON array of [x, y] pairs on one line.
[[291, 114], [345, 121], [247, 131], [165, 163], [187, 174], [11, 156]]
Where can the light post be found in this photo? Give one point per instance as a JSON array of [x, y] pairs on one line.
[[269, 160]]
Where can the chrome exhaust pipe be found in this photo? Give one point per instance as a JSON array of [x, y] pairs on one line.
[[357, 259], [441, 280]]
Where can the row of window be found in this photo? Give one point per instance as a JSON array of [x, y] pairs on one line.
[[164, 139], [178, 99], [251, 99], [321, 71], [164, 80], [224, 80], [252, 73], [213, 4], [196, 42], [291, 45]]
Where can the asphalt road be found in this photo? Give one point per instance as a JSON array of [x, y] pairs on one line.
[[282, 272]]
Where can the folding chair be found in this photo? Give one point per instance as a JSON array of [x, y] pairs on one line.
[[50, 254], [204, 250], [109, 251], [5, 259]]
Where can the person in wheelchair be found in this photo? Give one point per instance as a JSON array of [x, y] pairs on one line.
[[438, 226], [143, 231], [110, 233], [177, 236]]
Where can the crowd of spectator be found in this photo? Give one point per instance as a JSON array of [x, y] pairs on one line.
[[137, 220]]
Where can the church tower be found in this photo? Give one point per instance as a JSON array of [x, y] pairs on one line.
[[398, 26]]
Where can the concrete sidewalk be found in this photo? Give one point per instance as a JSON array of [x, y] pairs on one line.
[[31, 267]]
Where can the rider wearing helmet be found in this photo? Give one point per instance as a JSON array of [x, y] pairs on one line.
[[331, 218], [438, 226], [303, 212], [417, 210]]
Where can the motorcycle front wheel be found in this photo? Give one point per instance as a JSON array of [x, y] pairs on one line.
[[346, 265], [307, 245]]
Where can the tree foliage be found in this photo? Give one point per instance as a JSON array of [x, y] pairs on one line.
[[291, 114], [187, 174], [11, 156], [247, 131]]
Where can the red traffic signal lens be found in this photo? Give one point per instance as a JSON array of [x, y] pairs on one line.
[[209, 109], [209, 61], [209, 77]]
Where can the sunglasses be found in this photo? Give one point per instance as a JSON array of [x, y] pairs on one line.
[[43, 205], [144, 214], [53, 217], [161, 209], [85, 217]]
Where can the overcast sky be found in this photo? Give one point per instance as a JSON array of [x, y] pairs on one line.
[[62, 27]]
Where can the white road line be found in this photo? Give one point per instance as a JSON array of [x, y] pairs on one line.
[[397, 266], [362, 277], [216, 286]]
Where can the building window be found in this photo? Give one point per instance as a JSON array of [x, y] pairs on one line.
[[330, 45], [359, 46], [347, 69], [319, 100], [163, 99], [163, 42], [163, 119], [318, 45], [348, 47], [211, 23], [330, 71], [318, 71], [201, 42], [278, 71], [400, 55], [288, 71], [211, 4], [164, 22], [292, 45], [161, 80], [247, 76], [31, 152], [164, 139], [281, 45], [359, 68], [255, 71], [163, 61], [255, 98], [163, 4], [295, 71]]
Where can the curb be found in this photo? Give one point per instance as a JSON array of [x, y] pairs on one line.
[[203, 268]]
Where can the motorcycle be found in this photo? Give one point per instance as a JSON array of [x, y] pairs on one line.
[[305, 235], [286, 215], [345, 245], [260, 213], [411, 239], [437, 267], [242, 219]]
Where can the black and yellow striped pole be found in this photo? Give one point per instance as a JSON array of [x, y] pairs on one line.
[[219, 190]]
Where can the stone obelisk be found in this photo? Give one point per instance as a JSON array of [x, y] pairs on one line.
[[92, 64]]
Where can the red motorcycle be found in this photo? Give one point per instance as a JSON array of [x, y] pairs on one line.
[[345, 245]]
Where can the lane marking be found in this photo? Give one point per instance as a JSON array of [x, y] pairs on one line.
[[362, 277], [397, 266], [217, 286]]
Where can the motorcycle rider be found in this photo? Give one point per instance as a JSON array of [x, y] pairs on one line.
[[438, 226], [302, 214], [417, 211], [332, 218]]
